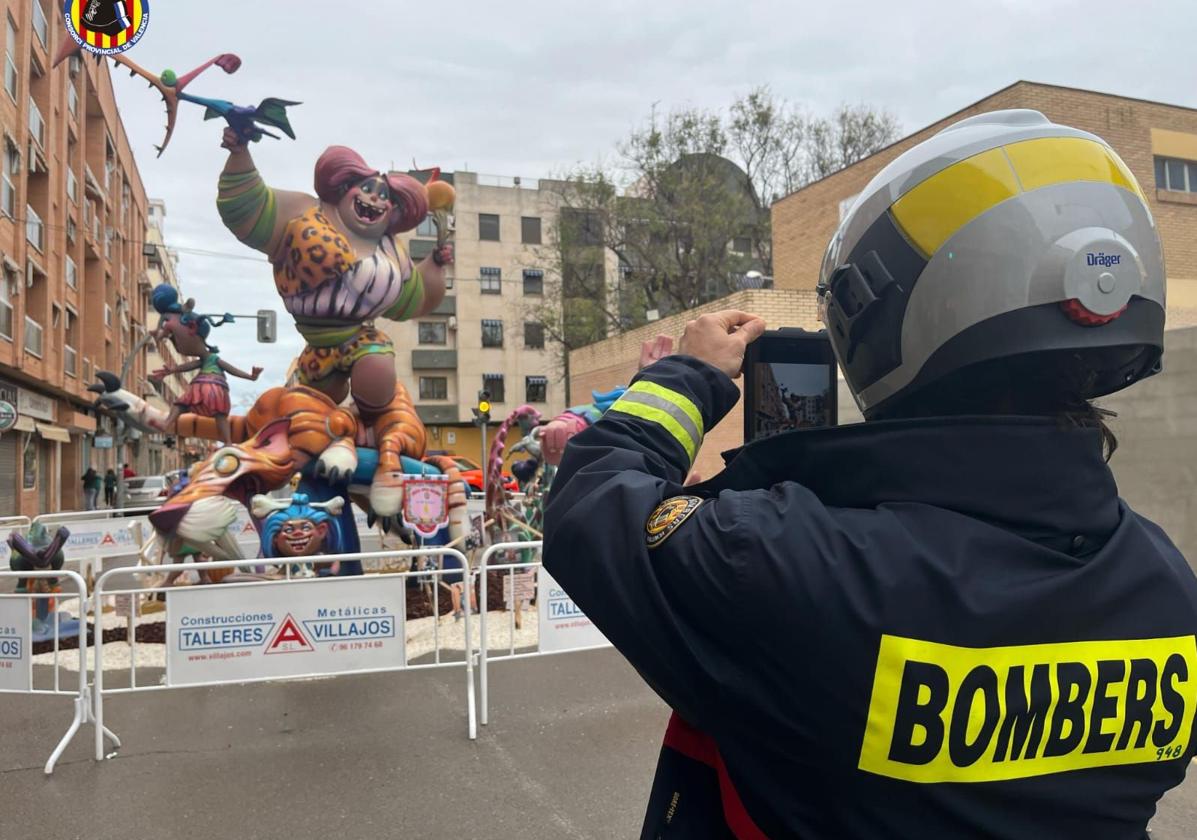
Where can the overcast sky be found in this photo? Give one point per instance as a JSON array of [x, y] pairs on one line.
[[531, 88]]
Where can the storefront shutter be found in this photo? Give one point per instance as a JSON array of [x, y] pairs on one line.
[[8, 473]]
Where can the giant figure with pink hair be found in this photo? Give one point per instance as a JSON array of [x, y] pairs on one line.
[[338, 265]]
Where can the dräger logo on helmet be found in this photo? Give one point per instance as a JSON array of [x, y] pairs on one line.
[[1102, 258], [942, 713]]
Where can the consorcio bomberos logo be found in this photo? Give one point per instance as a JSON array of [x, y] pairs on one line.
[[106, 27]]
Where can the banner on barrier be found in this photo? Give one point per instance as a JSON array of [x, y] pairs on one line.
[[101, 537], [16, 673], [563, 625], [226, 634]]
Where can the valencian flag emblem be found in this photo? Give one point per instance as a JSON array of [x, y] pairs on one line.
[[105, 27]]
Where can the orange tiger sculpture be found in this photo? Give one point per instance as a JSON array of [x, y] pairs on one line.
[[285, 430]]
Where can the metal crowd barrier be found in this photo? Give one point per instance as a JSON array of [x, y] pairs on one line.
[[485, 654], [16, 651], [246, 634], [66, 517]]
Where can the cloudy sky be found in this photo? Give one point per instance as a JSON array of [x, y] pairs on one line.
[[531, 88]]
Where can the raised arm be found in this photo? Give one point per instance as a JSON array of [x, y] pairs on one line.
[[236, 371], [256, 213]]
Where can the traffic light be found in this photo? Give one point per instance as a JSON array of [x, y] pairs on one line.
[[482, 410], [267, 326]]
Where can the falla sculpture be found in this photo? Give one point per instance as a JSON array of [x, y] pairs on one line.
[[348, 426]]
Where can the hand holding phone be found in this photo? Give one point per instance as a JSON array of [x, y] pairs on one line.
[[789, 383], [720, 339]]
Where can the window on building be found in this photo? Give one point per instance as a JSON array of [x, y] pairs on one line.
[[420, 248], [71, 230], [8, 177], [581, 227], [432, 332], [33, 337], [7, 279], [530, 230], [488, 227], [10, 58], [492, 280], [37, 125], [70, 355], [35, 231], [493, 382], [72, 99], [533, 335], [72, 273], [1176, 175], [536, 389], [492, 332], [533, 281], [426, 227], [434, 388], [40, 27], [742, 245], [72, 187], [107, 315]]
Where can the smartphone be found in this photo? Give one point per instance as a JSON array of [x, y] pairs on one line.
[[789, 383]]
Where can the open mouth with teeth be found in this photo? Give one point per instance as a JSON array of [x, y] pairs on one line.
[[201, 512], [299, 542], [367, 212]]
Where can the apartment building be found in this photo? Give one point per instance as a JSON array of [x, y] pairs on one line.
[[1158, 142], [162, 454], [486, 333], [74, 287]]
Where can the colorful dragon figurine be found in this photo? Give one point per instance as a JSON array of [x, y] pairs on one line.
[[246, 120]]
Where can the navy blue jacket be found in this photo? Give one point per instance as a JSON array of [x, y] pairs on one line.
[[934, 628]]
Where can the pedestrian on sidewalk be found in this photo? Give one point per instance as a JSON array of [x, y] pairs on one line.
[[128, 472], [91, 488], [110, 488]]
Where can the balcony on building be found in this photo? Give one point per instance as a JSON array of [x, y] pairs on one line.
[[434, 359]]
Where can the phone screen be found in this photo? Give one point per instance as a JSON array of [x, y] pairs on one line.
[[790, 396]]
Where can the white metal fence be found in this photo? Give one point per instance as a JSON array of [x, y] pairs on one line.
[[222, 635], [561, 626], [17, 675]]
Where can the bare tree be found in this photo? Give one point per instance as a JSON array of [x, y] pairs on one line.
[[693, 214]]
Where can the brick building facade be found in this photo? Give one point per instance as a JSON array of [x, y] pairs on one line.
[[73, 285], [1148, 135]]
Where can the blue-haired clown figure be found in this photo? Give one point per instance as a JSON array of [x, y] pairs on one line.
[[299, 527], [208, 393]]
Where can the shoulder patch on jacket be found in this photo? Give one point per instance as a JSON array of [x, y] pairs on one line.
[[668, 517]]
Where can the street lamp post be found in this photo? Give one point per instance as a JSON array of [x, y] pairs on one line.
[[122, 428]]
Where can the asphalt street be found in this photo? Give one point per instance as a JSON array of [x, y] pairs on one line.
[[569, 753]]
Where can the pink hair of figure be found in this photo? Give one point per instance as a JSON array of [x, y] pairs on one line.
[[340, 167]]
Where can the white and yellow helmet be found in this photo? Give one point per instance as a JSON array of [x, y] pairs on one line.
[[1003, 236]]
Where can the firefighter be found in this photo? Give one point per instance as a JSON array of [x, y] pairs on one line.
[[943, 622]]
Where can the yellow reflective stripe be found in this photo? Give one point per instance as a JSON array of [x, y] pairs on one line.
[[661, 418], [680, 400], [1053, 160], [939, 206], [953, 197]]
